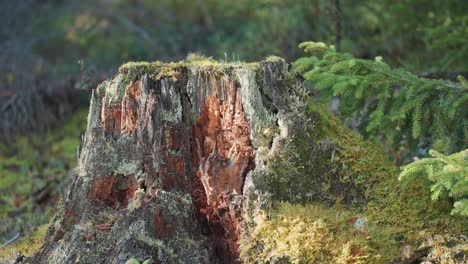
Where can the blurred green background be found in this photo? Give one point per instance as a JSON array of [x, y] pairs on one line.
[[54, 51]]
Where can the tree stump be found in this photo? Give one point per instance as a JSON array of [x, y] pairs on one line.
[[172, 155]]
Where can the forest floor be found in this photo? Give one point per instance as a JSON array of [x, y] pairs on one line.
[[33, 175]]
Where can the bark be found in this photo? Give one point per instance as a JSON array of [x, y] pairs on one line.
[[173, 154]]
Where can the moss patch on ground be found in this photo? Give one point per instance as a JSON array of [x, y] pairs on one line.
[[313, 233], [25, 246]]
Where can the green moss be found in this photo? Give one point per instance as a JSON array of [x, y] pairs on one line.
[[397, 214], [305, 234], [158, 70], [27, 245]]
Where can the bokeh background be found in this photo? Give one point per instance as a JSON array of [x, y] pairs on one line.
[[52, 52]]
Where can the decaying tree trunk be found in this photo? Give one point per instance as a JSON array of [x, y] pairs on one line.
[[172, 155]]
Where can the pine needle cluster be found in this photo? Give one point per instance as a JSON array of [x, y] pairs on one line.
[[449, 175]]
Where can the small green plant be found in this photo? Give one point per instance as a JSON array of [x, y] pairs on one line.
[[135, 261], [449, 174]]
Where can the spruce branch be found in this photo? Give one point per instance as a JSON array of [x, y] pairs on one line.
[[394, 104]]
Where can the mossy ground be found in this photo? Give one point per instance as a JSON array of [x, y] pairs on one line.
[[26, 246], [312, 233]]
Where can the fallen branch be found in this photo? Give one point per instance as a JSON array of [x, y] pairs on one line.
[[11, 240]]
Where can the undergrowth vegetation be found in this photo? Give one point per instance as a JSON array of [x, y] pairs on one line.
[[33, 172]]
